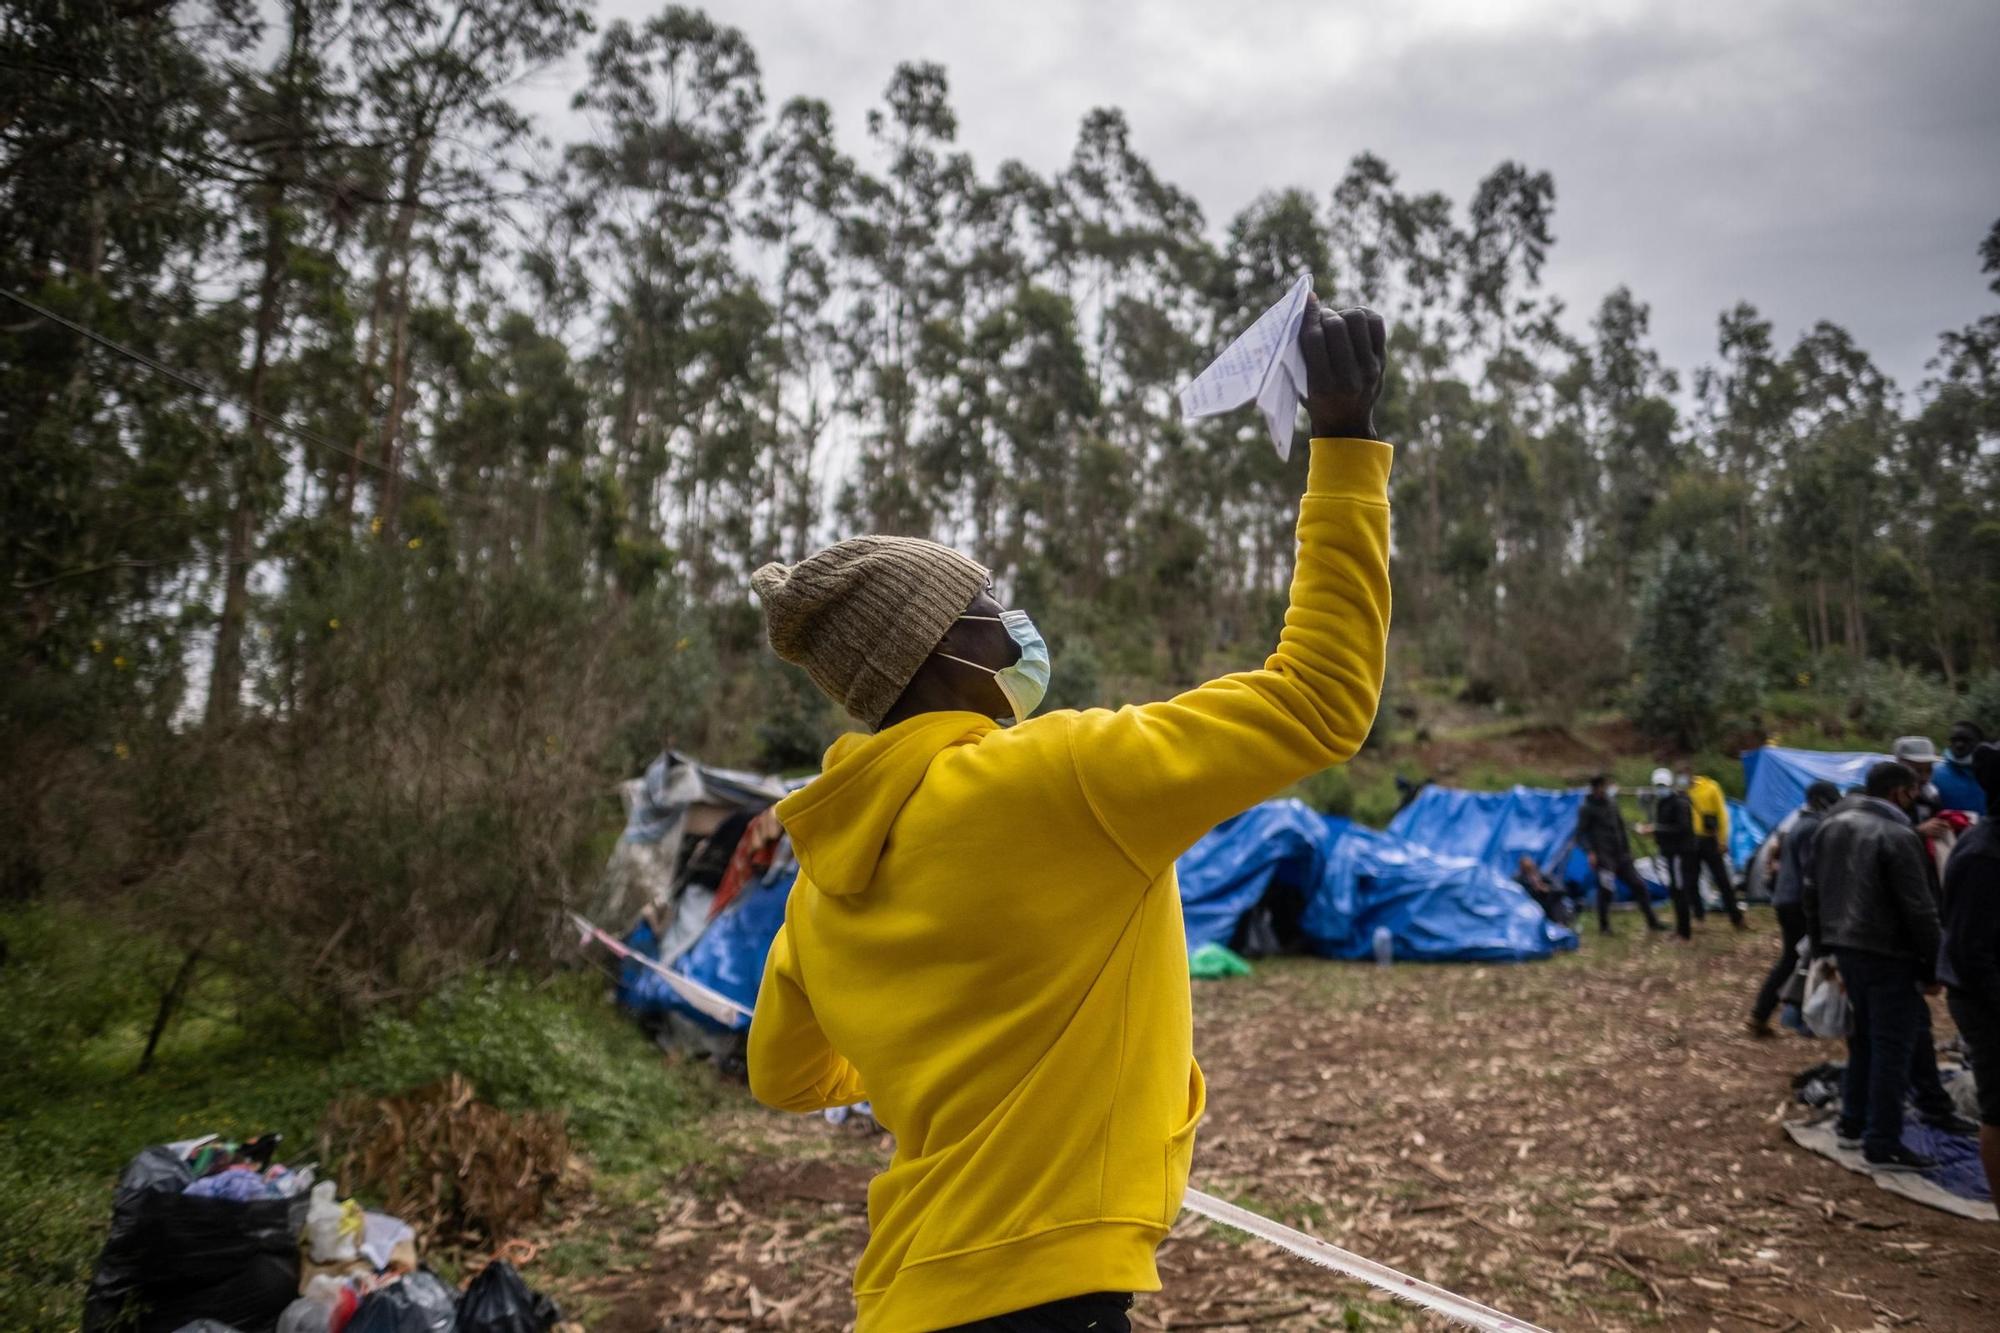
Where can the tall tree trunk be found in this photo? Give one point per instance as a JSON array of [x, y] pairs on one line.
[[364, 387], [390, 446], [225, 679]]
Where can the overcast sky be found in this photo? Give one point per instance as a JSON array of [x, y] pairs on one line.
[[1836, 159]]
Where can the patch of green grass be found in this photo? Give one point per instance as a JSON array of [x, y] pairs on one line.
[[78, 999]]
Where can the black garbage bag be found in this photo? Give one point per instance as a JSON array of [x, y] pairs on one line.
[[422, 1302], [498, 1301], [172, 1259]]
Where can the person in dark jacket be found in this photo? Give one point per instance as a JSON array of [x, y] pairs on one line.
[[1795, 848], [1869, 902], [1672, 831], [1600, 831], [1970, 964]]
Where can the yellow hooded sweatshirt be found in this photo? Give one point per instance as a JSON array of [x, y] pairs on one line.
[[985, 941], [1711, 809]]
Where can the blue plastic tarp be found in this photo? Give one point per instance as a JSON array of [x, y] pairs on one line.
[[1498, 828], [1495, 828], [1775, 778], [728, 957], [1746, 833], [1437, 908]]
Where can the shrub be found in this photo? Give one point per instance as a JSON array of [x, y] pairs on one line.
[[1885, 700], [1678, 648], [1982, 702]]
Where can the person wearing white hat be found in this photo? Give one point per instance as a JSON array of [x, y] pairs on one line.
[[1672, 831], [1920, 756]]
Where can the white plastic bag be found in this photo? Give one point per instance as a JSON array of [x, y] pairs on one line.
[[329, 1238], [1825, 1009]]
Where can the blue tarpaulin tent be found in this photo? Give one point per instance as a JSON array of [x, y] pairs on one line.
[[1354, 879], [1775, 778]]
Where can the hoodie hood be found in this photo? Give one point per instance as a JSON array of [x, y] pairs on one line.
[[839, 821]]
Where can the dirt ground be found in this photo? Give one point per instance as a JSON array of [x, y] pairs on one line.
[[1592, 1143]]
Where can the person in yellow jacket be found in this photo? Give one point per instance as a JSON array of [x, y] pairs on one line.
[[985, 938], [1710, 848]]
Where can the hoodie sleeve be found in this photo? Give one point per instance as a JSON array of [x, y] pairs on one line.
[[793, 1067], [1160, 775]]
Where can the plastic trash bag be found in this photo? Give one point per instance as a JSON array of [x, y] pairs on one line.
[[306, 1315], [419, 1303], [172, 1258], [207, 1326], [1825, 1009], [327, 1304], [498, 1301]]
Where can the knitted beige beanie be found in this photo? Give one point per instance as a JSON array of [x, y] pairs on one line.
[[862, 615]]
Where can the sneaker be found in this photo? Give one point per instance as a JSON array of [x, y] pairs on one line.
[[1899, 1158], [1850, 1139], [1655, 927], [1759, 1028], [1951, 1122]]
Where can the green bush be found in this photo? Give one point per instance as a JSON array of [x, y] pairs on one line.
[[1982, 702], [1884, 700]]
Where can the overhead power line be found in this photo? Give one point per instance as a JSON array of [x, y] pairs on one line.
[[208, 391]]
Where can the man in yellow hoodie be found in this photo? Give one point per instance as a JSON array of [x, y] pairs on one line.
[[1711, 846], [985, 938]]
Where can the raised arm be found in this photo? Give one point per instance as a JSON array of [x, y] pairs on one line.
[[1160, 775]]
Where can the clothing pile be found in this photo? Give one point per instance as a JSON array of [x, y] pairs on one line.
[[215, 1235]]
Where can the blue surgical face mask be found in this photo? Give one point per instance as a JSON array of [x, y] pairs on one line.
[[1026, 682]]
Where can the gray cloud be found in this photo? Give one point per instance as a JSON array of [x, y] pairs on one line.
[[1819, 160]]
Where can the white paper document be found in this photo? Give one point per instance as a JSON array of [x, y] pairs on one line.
[[1263, 365]]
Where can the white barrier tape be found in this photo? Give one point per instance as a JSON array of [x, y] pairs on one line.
[[1380, 1276], [1401, 1286], [712, 1003]]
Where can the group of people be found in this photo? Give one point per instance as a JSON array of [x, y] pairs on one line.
[[1899, 882], [1896, 880], [1691, 828]]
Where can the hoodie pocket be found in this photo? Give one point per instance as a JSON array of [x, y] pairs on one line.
[[1180, 1144]]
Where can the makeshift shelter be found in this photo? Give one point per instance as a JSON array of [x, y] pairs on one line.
[[728, 958]]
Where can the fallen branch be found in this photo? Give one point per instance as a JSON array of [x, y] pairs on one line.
[[1618, 1262], [1744, 1315]]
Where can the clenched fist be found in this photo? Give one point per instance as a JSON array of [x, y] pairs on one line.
[[1345, 352]]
